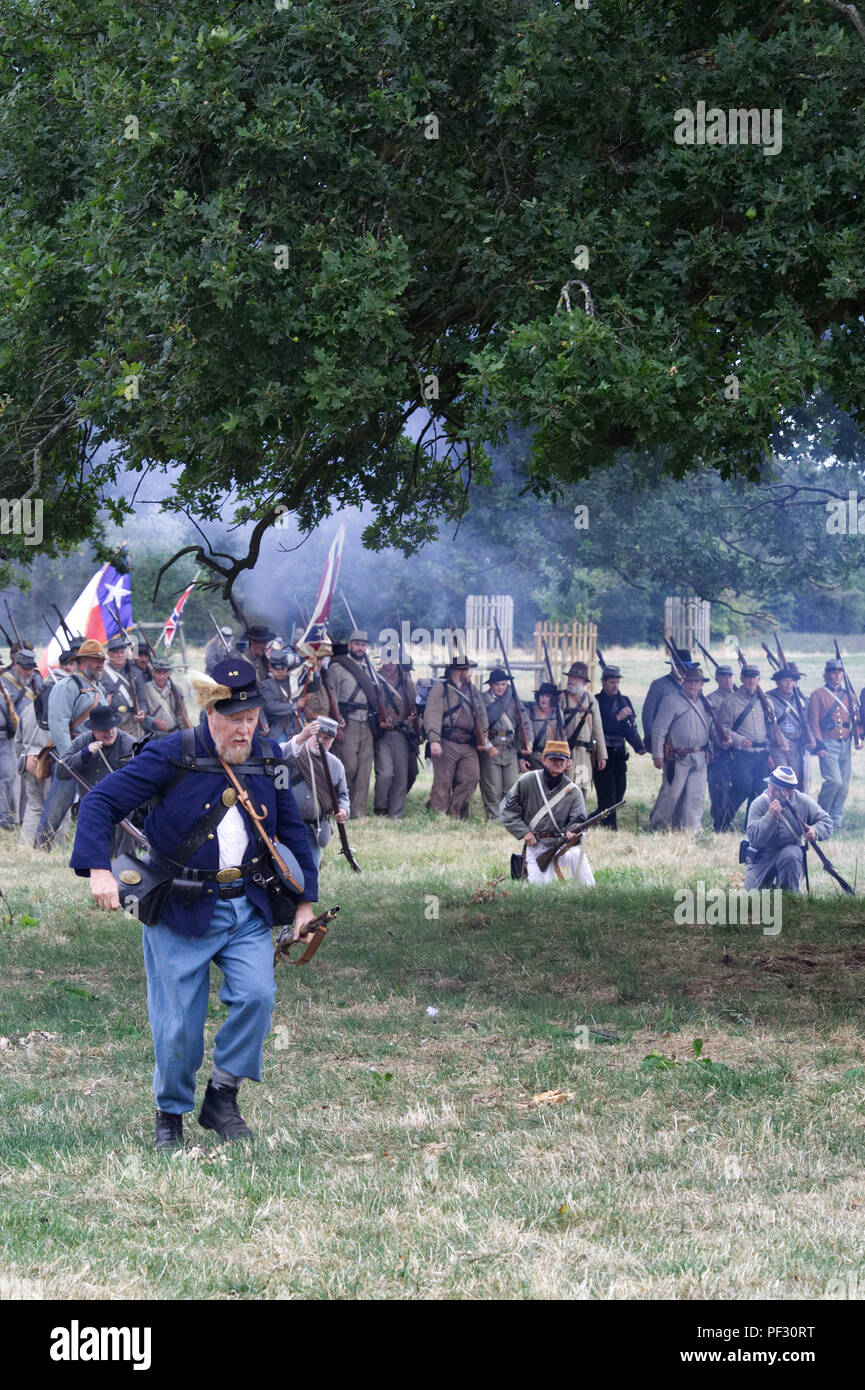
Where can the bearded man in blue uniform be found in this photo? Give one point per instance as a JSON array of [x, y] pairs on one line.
[[217, 908]]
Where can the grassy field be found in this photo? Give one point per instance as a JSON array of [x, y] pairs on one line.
[[403, 1155]]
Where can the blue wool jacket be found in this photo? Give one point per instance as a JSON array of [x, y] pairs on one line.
[[174, 818]]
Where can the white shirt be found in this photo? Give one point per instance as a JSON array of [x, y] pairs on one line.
[[233, 839]]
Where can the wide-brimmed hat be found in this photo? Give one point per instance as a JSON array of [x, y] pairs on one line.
[[579, 668], [460, 663], [790, 671], [496, 675], [161, 663], [612, 673], [546, 688], [232, 686], [684, 655], [556, 748], [104, 717], [91, 648], [259, 633], [694, 673], [784, 776]]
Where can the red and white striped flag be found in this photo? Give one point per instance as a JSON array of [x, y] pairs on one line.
[[167, 634], [316, 629]]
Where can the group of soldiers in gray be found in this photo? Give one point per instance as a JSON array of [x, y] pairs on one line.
[[103, 702]]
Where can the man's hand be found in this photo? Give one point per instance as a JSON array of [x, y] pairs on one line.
[[524, 764], [103, 886], [810, 833], [601, 764], [493, 751], [161, 725], [775, 809], [302, 917], [94, 747], [746, 743], [530, 839], [140, 716], [342, 816], [625, 713], [574, 834], [659, 762], [435, 749]]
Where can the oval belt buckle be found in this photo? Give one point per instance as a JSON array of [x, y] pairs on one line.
[[228, 875]]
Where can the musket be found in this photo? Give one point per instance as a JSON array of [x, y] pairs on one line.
[[560, 726], [219, 632], [125, 825], [521, 728], [67, 634], [772, 729], [6, 636], [313, 934], [773, 660], [385, 722], [14, 626], [344, 846], [354, 625], [707, 654], [544, 860], [854, 705], [812, 844]]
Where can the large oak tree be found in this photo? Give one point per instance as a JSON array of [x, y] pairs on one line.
[[247, 242]]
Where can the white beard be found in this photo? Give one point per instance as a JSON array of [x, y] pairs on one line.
[[230, 753]]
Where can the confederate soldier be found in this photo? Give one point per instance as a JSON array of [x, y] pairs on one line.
[[30, 738], [257, 638], [314, 695], [216, 909], [217, 649], [502, 765], [681, 731], [776, 856], [118, 683], [832, 718], [9, 720], [309, 784], [141, 672], [660, 689], [619, 727], [354, 690], [745, 719], [69, 704], [68, 661], [454, 715], [540, 807], [584, 727], [164, 710], [720, 769], [396, 748], [791, 715], [22, 684], [279, 707], [101, 749], [545, 717]]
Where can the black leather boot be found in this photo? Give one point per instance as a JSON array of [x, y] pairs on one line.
[[219, 1111], [169, 1130]]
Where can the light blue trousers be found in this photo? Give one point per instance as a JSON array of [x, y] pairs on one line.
[[239, 941], [835, 767]]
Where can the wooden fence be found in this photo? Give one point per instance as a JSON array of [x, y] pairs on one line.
[[566, 643], [481, 643], [686, 622]]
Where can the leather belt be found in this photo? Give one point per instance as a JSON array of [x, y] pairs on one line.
[[234, 890], [457, 737], [680, 752], [582, 743], [232, 875]]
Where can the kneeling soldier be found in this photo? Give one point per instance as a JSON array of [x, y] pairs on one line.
[[542, 806], [217, 908], [776, 855]]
